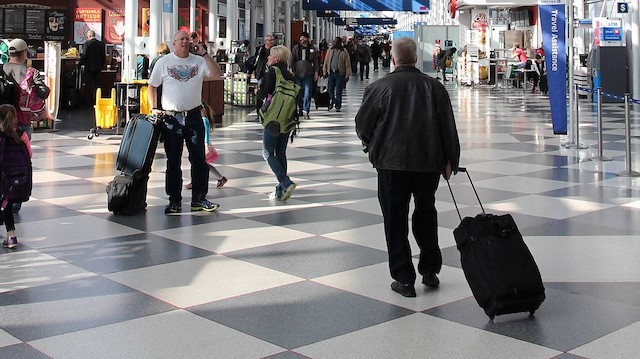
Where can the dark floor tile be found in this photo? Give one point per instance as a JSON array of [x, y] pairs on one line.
[[319, 220], [237, 158], [333, 174], [615, 217], [21, 351], [336, 159], [125, 253], [595, 193], [33, 211], [286, 355], [627, 293], [153, 218], [569, 175], [86, 172], [311, 257], [569, 227], [544, 159], [561, 322], [299, 314], [72, 306], [60, 189], [332, 193]]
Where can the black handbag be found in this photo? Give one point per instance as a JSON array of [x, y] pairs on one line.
[[42, 90]]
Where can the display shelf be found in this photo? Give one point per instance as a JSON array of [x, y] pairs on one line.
[[239, 90]]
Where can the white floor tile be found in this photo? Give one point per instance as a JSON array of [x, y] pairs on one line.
[[521, 184], [30, 268], [375, 282], [423, 336], [586, 258], [506, 168], [619, 344], [7, 339], [548, 207], [69, 230], [177, 334], [201, 280], [227, 236]]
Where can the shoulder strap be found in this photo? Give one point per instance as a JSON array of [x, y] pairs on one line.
[[279, 77]]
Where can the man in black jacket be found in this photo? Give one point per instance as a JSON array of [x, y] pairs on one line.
[[407, 126], [262, 53], [93, 61]]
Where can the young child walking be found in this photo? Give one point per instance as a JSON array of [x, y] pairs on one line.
[[211, 155], [13, 153]]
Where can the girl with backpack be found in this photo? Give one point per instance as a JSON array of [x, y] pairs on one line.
[[13, 146], [274, 141], [210, 153]]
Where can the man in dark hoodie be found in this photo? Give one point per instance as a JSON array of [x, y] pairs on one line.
[[304, 66]]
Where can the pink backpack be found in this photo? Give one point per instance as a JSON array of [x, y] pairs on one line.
[[32, 108]]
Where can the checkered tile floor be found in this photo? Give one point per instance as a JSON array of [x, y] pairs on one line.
[[309, 278]]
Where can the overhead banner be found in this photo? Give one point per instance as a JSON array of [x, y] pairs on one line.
[[553, 22], [367, 5], [365, 21]]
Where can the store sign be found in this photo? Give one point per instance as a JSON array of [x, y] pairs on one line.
[[114, 26], [84, 20], [623, 8], [553, 22]]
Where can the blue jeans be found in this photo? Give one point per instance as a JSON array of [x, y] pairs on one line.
[[193, 135], [274, 151], [304, 97], [335, 87]]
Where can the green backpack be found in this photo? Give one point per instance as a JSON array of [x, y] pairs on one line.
[[282, 108]]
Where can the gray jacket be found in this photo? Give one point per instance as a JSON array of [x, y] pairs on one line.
[[406, 123], [307, 67]]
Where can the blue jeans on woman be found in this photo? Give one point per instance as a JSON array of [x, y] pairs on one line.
[[274, 151], [304, 97], [335, 87]]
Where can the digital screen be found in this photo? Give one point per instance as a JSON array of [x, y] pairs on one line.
[[34, 23], [367, 5], [1, 21]]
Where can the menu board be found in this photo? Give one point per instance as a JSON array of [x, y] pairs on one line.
[[14, 21], [34, 23], [1, 20]]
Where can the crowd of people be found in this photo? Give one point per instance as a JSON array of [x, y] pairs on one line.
[[406, 125]]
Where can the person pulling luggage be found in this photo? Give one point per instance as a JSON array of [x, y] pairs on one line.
[[407, 127]]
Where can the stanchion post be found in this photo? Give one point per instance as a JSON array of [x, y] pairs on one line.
[[600, 156], [578, 145], [627, 124]]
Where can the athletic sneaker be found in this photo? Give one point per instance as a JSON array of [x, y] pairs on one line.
[[204, 205], [288, 191], [173, 208], [221, 182], [10, 242], [189, 186]]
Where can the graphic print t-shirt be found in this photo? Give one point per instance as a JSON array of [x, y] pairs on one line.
[[181, 79]]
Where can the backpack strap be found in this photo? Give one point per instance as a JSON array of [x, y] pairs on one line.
[[279, 77]]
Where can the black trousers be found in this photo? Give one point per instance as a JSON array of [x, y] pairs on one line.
[[364, 69], [92, 81], [7, 217], [175, 136], [394, 193]]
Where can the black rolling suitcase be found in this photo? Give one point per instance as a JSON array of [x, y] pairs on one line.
[[386, 61], [138, 146], [321, 95], [127, 193], [498, 265]]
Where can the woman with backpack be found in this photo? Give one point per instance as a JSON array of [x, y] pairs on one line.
[[274, 141], [14, 148]]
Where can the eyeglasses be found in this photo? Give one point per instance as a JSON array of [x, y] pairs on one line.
[[271, 40]]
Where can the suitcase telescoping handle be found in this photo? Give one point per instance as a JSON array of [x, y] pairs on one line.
[[463, 169]]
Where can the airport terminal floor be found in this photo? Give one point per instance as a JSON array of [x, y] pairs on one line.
[[308, 278]]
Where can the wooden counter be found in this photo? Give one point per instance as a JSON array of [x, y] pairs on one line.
[[213, 94]]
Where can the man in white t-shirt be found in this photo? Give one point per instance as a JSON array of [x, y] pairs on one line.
[[180, 74]]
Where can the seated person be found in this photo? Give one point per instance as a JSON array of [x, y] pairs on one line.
[[520, 55]]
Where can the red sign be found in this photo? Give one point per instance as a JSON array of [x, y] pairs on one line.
[[114, 26]]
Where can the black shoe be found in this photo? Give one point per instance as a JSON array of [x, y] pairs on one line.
[[330, 106], [430, 279], [406, 290], [173, 208]]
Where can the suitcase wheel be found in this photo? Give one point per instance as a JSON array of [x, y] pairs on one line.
[[492, 316], [531, 312]]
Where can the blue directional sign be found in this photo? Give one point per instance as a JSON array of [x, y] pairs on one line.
[[368, 5]]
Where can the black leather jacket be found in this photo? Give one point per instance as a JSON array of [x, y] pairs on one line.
[[406, 123]]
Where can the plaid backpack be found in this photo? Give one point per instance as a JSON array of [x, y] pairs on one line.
[[16, 172]]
